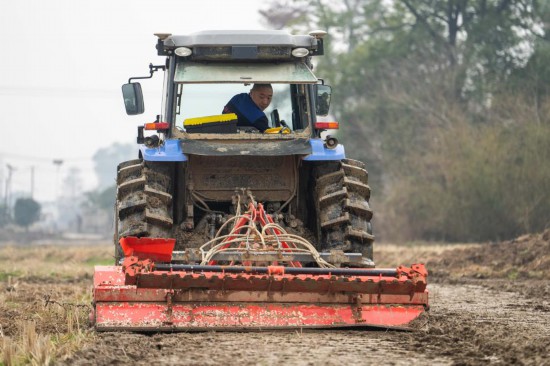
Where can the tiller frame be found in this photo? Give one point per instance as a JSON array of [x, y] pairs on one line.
[[251, 279]]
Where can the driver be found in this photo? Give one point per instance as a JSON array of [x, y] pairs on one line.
[[249, 107]]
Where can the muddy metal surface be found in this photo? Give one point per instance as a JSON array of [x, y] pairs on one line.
[[467, 324]]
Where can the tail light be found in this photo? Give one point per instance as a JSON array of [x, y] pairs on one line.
[[157, 126], [326, 125]]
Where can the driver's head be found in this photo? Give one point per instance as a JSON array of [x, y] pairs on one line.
[[261, 94]]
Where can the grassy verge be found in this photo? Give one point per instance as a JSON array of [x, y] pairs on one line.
[[389, 255], [45, 299]]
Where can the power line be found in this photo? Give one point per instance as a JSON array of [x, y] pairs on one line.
[[42, 158], [58, 91]]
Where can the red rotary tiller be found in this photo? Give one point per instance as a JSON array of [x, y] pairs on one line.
[[256, 277]]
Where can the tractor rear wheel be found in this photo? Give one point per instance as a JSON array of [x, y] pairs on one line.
[[144, 201], [342, 206]]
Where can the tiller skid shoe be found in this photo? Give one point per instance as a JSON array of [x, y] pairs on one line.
[[251, 279]]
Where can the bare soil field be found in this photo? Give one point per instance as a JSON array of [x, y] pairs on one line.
[[490, 304]]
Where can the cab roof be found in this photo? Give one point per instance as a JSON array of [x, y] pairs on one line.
[[240, 37]]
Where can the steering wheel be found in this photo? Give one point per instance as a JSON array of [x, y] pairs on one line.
[[275, 118]]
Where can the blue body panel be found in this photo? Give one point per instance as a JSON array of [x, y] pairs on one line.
[[171, 151], [321, 153]]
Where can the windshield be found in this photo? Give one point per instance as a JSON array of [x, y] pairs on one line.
[[200, 100]]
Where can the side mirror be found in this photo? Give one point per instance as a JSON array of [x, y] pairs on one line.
[[275, 120], [133, 98], [323, 99]]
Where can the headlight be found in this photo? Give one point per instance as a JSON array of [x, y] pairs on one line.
[[183, 51], [300, 52]]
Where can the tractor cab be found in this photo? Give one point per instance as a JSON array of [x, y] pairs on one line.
[[204, 70]]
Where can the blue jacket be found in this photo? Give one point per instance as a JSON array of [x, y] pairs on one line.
[[247, 112]]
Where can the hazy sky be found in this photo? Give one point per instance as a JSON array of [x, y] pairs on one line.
[[62, 65]]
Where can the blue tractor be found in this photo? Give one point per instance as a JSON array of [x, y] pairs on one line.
[[240, 211], [199, 167]]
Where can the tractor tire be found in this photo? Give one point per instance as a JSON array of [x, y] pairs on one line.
[[342, 207], [144, 201]]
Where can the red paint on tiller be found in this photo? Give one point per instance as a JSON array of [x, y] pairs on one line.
[[140, 298], [156, 249], [185, 316]]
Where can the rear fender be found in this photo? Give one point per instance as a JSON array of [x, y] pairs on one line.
[[319, 152], [169, 151]]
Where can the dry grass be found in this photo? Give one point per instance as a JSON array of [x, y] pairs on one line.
[[53, 261], [45, 299], [521, 265], [389, 255]]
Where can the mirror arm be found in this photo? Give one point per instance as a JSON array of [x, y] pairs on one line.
[[152, 69]]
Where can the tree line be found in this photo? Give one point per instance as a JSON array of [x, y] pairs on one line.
[[448, 103]]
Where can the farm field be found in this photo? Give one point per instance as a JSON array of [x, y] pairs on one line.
[[489, 305]]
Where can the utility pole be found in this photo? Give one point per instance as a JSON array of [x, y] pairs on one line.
[[11, 168], [57, 163]]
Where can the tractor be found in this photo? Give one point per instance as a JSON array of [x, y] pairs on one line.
[[222, 224]]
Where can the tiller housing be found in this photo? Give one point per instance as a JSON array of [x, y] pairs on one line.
[[251, 279]]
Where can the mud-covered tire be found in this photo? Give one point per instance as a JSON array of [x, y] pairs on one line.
[[342, 206], [144, 201]]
